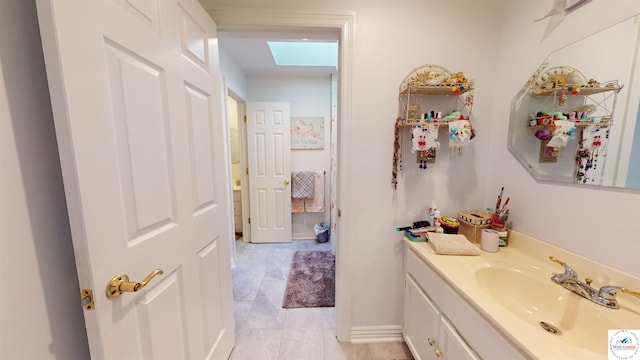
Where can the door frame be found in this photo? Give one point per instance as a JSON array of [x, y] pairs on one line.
[[230, 90], [234, 19]]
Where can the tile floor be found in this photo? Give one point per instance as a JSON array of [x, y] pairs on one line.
[[264, 330]]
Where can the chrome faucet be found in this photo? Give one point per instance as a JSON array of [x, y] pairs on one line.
[[609, 292], [605, 296]]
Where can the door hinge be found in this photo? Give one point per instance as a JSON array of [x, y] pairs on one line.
[[249, 220], [339, 213], [86, 299], [247, 171], [245, 118]]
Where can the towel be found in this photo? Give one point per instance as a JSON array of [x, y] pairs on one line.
[[316, 203], [302, 184], [451, 244], [297, 205]]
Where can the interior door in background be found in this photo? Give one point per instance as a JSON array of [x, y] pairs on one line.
[[269, 157], [135, 91]]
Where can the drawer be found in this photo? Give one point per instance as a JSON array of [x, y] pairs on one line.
[[428, 280]]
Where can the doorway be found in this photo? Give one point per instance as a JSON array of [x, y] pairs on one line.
[[312, 93], [257, 20], [312, 96], [235, 151]]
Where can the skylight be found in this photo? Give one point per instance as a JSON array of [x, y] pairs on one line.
[[304, 53]]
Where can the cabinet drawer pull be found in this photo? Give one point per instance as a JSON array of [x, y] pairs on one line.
[[438, 352], [431, 341]]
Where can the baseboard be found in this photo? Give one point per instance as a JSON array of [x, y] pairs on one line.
[[303, 236], [376, 334]]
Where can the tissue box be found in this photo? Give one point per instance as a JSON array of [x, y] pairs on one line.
[[475, 217], [471, 231]]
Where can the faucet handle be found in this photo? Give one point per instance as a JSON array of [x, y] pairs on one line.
[[568, 271], [609, 292]]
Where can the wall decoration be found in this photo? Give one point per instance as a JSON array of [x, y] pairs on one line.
[[307, 133]]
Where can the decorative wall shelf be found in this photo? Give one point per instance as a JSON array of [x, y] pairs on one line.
[[431, 98], [442, 89]]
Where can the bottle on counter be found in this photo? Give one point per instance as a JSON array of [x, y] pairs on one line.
[[436, 221]]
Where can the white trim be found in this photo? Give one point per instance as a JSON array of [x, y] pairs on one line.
[[228, 18], [376, 334], [303, 236]]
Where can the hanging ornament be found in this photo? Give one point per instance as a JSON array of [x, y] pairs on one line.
[[423, 159]]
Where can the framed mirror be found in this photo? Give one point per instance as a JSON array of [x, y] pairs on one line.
[[577, 119]]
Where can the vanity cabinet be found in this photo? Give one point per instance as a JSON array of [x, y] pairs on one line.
[[427, 332], [440, 324]]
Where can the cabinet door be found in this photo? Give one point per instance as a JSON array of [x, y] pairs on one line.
[[451, 345], [421, 319]]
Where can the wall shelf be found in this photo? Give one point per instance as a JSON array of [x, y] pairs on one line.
[[427, 98], [442, 89]]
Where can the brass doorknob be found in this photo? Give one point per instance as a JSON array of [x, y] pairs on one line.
[[121, 283], [286, 182]]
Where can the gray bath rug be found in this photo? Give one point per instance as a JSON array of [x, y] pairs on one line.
[[312, 280]]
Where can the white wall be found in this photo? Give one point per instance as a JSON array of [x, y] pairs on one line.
[[390, 41], [309, 97], [600, 223], [40, 313], [234, 78]]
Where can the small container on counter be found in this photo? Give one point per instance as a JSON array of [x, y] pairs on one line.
[[449, 225], [503, 237]]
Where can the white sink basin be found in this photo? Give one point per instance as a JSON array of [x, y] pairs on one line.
[[529, 293]]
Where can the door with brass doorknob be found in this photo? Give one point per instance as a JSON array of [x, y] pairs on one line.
[[135, 90], [269, 157]]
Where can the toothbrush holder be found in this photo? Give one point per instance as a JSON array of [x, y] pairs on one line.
[[499, 220]]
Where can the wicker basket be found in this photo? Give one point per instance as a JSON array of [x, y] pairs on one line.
[[472, 232]]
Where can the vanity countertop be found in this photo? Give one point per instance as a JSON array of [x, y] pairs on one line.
[[584, 324]]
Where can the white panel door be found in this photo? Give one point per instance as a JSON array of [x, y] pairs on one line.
[[136, 96], [269, 155]]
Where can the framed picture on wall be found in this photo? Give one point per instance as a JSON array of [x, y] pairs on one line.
[[307, 133]]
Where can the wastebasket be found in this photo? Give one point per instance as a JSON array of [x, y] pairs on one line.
[[322, 232]]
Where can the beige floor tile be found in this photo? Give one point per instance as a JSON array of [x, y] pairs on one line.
[[329, 317], [299, 344], [259, 344], [247, 282], [390, 351], [241, 310], [335, 350], [304, 318], [267, 311]]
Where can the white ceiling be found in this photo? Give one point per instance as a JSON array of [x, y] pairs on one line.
[[249, 50]]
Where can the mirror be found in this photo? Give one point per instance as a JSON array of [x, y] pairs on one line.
[[577, 119]]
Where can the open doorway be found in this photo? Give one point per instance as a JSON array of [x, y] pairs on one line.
[[312, 93], [235, 151], [313, 96], [257, 20]]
